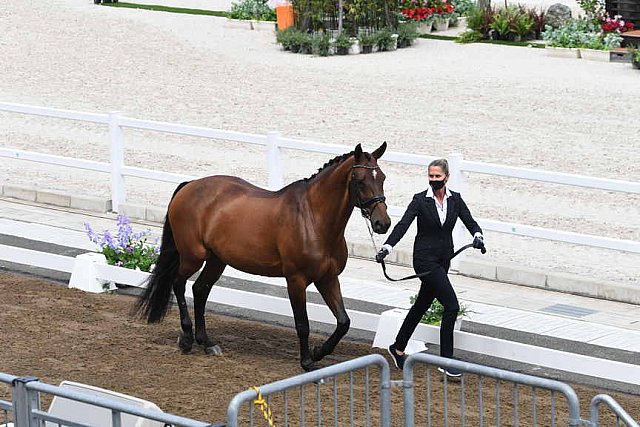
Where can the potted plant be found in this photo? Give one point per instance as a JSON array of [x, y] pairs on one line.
[[321, 44], [366, 42], [433, 316], [343, 43], [384, 40], [635, 58], [407, 33]]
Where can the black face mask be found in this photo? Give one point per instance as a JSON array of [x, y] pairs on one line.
[[436, 185]]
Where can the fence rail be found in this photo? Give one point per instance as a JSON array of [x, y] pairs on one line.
[[274, 144], [621, 414]]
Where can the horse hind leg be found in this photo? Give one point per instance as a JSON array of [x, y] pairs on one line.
[[185, 270], [201, 288]]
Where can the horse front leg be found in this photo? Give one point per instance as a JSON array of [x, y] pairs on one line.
[[298, 299], [330, 290], [201, 288]]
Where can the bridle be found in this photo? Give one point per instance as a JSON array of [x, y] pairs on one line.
[[367, 206]]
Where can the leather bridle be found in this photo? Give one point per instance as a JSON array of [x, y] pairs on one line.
[[367, 206]]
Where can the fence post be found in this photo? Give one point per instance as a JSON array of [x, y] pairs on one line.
[[457, 183], [116, 149], [274, 162], [24, 402]]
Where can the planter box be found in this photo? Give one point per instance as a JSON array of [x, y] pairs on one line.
[[595, 55], [91, 273], [264, 25], [425, 27], [245, 24], [355, 46], [441, 24], [562, 52]]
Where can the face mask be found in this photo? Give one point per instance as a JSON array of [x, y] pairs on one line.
[[436, 185]]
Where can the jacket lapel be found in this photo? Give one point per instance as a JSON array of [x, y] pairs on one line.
[[451, 209], [431, 207]]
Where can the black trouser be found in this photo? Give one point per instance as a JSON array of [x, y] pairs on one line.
[[434, 286]]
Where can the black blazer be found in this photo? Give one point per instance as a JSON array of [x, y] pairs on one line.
[[433, 239]]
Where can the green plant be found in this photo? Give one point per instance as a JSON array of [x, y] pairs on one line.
[[305, 41], [462, 7], [321, 43], [523, 26], [367, 40], [286, 37], [127, 248], [480, 19], [469, 36], [252, 9], [383, 39], [407, 33], [573, 33], [433, 315], [500, 26], [343, 43]]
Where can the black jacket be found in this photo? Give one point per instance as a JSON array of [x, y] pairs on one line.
[[433, 239]]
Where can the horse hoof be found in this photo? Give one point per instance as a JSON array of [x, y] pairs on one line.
[[185, 345], [316, 354], [214, 350]]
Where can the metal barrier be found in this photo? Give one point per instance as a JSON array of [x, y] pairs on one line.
[[343, 384], [488, 402], [621, 414], [26, 409]]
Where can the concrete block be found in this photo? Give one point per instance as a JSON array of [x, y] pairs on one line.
[[20, 192], [155, 214], [132, 211], [593, 288], [88, 203], [479, 269], [363, 250], [388, 326], [53, 198], [521, 276]]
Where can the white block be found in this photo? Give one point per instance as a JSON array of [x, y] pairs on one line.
[[85, 276], [388, 327]]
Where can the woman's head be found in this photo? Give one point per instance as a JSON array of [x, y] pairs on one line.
[[438, 172]]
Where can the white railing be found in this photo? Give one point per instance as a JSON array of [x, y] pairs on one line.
[[275, 143]]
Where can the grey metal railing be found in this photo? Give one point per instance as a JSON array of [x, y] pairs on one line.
[[488, 402], [620, 413], [27, 412], [341, 384]]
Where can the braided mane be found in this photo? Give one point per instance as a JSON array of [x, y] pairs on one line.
[[336, 160]]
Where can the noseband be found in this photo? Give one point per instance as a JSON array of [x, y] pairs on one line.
[[367, 206]]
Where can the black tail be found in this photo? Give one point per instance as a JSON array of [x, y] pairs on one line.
[[154, 302]]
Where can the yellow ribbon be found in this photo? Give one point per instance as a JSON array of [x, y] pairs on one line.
[[266, 411]]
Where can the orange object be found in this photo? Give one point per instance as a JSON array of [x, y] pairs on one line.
[[284, 15]]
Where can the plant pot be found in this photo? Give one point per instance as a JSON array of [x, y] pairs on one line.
[[366, 49], [342, 50], [425, 27], [355, 46], [394, 45], [636, 64], [441, 24], [404, 43], [595, 55]]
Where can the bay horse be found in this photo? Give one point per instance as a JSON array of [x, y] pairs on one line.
[[296, 233]]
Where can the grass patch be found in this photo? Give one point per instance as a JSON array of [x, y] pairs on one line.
[[169, 9], [501, 42]]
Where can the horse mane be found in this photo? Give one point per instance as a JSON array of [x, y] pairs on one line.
[[335, 161]]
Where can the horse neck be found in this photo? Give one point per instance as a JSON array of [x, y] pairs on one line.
[[329, 199]]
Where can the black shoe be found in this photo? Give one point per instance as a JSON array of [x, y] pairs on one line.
[[451, 372], [398, 359]]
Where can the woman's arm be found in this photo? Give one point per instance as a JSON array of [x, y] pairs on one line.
[[403, 225]]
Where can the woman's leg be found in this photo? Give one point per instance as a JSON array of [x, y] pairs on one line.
[[447, 297], [424, 300]]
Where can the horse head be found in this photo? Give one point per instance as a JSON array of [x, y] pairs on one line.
[[367, 187]]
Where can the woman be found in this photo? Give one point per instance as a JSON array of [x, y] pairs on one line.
[[436, 210]]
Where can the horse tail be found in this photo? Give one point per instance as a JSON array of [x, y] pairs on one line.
[[154, 301]]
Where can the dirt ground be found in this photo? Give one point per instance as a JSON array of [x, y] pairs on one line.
[[57, 334]]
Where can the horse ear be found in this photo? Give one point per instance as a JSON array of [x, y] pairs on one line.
[[357, 153], [380, 151]]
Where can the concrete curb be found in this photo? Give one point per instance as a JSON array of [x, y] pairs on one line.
[[517, 275]]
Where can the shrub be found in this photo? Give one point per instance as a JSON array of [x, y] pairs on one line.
[[469, 36], [343, 43], [480, 20], [321, 44], [407, 33], [252, 9], [383, 39], [127, 248]]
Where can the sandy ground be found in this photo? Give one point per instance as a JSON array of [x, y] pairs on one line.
[[90, 338], [503, 105]]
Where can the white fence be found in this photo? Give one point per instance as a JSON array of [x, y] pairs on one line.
[[274, 143]]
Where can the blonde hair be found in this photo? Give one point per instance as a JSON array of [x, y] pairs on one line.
[[442, 164]]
